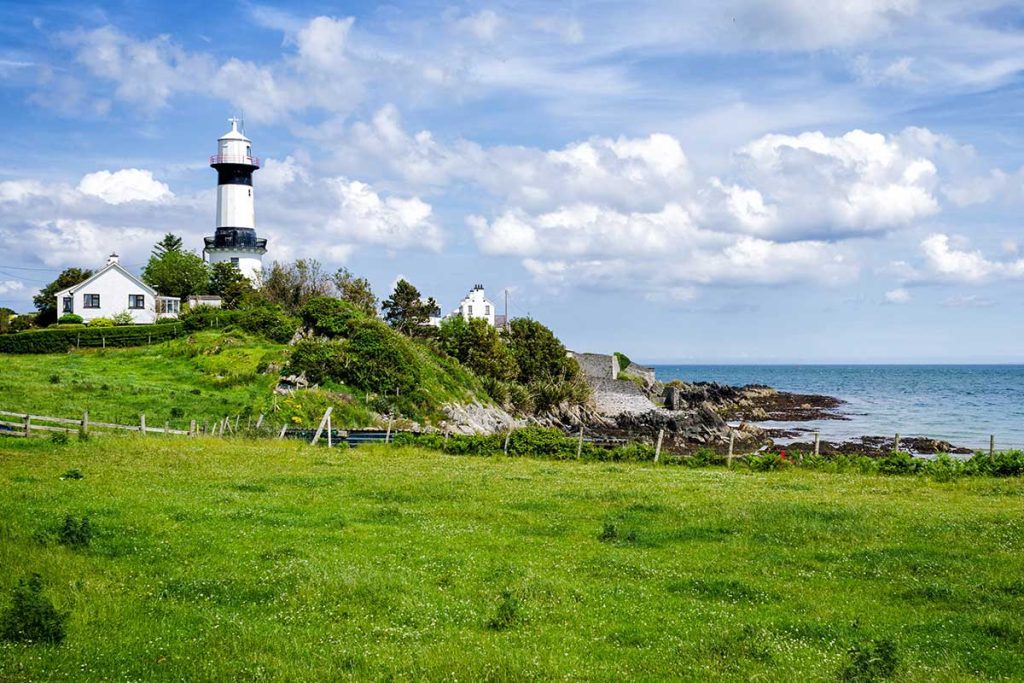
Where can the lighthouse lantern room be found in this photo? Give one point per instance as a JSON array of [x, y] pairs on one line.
[[235, 239]]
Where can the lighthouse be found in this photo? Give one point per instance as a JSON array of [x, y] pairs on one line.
[[235, 240]]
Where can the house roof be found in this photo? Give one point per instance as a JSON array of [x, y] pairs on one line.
[[99, 273]]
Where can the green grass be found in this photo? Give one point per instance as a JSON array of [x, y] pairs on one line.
[[234, 560], [206, 376]]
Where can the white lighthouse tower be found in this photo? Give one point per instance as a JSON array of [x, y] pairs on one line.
[[235, 239]]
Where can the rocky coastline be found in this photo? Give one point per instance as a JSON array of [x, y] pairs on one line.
[[630, 403]]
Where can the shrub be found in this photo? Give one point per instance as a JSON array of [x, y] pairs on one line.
[[331, 317], [101, 322], [624, 361], [70, 319], [609, 533], [75, 534], [1002, 464], [72, 474], [318, 360], [25, 321], [944, 468], [380, 359], [766, 462], [208, 317], [269, 322], [55, 378], [177, 412], [31, 617], [59, 438], [60, 341], [899, 462], [123, 318], [872, 661]]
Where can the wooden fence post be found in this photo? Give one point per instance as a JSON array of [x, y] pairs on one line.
[[323, 422], [330, 439], [235, 430], [896, 443], [728, 459], [447, 431], [192, 428], [508, 435], [167, 427], [142, 423], [992, 447], [579, 444], [387, 437], [27, 422], [259, 422], [283, 430], [657, 448], [85, 422], [817, 443]]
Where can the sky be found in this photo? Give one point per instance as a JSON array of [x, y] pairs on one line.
[[742, 181]]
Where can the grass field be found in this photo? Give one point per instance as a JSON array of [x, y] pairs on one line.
[[205, 377], [235, 560]]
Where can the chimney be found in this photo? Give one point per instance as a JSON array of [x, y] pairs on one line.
[[113, 258]]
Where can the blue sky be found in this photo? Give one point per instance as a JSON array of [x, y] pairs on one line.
[[740, 181]]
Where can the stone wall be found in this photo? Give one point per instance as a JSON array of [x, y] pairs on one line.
[[597, 365]]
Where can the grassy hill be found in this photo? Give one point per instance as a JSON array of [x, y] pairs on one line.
[[222, 559]]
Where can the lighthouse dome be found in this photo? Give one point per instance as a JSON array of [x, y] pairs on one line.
[[234, 148]]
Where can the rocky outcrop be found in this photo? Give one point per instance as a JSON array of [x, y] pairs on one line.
[[612, 397], [476, 418]]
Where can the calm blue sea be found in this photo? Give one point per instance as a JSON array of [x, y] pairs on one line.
[[963, 404]]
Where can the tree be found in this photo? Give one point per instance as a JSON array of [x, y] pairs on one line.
[[176, 273], [291, 285], [46, 300], [223, 275], [540, 356], [170, 243], [405, 310], [356, 291], [478, 346]]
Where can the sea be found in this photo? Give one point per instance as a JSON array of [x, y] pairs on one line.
[[962, 404]]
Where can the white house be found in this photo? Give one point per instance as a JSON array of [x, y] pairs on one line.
[[476, 305], [112, 290]]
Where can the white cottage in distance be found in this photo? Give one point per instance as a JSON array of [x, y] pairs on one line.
[[477, 305], [112, 290]]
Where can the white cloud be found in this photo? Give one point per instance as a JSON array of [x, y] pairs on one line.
[[968, 301], [483, 25], [20, 190], [947, 260], [897, 296], [126, 185], [815, 186], [9, 286], [364, 217]]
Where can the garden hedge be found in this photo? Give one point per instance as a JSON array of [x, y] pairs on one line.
[[61, 341]]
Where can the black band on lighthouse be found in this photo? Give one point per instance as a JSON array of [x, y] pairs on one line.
[[234, 174]]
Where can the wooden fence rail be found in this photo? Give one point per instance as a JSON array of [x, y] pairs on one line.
[[29, 422]]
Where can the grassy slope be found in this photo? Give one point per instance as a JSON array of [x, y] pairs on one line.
[[240, 560], [205, 377]]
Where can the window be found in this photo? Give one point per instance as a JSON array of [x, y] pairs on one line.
[[91, 300], [471, 310], [248, 150], [234, 260], [69, 304], [136, 301], [487, 310]]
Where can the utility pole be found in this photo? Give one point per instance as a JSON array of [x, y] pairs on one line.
[[506, 310]]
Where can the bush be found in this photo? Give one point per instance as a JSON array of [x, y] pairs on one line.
[[380, 359], [25, 321], [269, 322], [331, 317], [75, 534], [900, 462], [59, 438], [872, 661], [208, 317], [1003, 464], [101, 322], [318, 360], [624, 361], [70, 319], [61, 341], [123, 318], [55, 378], [766, 462], [31, 617]]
